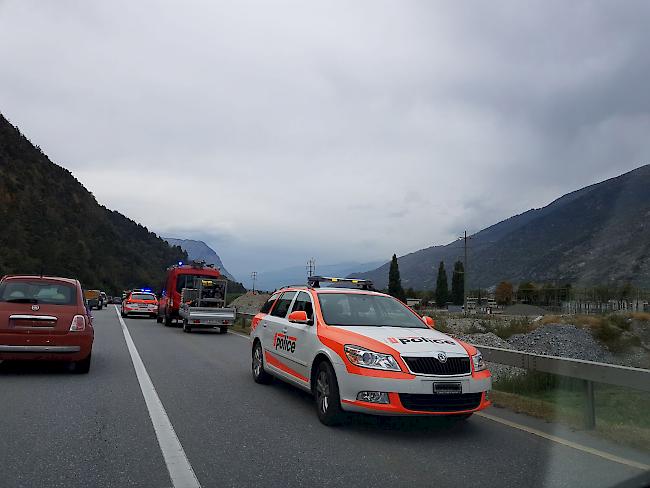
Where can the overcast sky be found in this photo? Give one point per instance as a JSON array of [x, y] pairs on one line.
[[278, 131]]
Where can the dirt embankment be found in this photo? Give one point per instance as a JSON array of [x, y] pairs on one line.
[[251, 302]]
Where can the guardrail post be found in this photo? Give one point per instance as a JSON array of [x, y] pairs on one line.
[[590, 405]]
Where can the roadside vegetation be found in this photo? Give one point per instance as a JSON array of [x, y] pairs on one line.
[[621, 413], [503, 328]]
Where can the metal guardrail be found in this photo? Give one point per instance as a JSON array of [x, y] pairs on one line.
[[589, 372]]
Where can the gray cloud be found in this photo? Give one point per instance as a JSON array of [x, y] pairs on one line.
[[341, 130]]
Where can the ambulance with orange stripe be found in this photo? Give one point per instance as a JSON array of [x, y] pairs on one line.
[[358, 350]]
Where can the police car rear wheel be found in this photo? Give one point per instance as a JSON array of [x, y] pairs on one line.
[[328, 401], [259, 375]]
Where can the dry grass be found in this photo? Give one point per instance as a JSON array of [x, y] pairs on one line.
[[642, 316], [623, 433]]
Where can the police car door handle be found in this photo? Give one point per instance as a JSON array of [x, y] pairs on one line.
[[285, 330]]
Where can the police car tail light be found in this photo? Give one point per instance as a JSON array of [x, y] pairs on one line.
[[366, 358], [78, 323], [373, 397], [479, 364]]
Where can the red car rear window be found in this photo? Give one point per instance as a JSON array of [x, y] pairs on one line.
[[37, 291]]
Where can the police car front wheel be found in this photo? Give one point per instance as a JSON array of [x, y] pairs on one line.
[[328, 400]]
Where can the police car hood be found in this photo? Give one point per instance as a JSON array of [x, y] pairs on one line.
[[418, 342]]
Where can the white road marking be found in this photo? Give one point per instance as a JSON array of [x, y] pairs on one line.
[[239, 334], [180, 471], [564, 442]]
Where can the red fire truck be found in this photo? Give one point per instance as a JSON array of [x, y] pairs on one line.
[[195, 293]]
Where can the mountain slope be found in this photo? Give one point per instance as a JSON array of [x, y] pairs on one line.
[[597, 235], [200, 251], [50, 222]]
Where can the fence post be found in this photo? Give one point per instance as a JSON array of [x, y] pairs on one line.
[[590, 405]]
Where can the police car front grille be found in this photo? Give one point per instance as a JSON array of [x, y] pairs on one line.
[[431, 365], [440, 402]]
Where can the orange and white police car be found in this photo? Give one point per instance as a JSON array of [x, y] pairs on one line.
[[358, 350]]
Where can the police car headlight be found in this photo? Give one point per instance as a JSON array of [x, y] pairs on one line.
[[479, 364], [365, 358]]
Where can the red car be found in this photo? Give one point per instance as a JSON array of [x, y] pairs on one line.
[[45, 318], [179, 277]]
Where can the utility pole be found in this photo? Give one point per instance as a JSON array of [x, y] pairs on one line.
[[311, 267], [254, 277], [464, 238]]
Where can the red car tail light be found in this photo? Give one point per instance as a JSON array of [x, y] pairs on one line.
[[78, 323]]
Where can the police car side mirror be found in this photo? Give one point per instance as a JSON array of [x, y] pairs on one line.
[[298, 317], [429, 321]]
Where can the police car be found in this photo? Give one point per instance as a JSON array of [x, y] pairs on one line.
[[358, 350]]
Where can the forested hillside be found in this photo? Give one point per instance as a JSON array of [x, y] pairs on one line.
[[51, 223]]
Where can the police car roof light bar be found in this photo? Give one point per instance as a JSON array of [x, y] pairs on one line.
[[315, 281]]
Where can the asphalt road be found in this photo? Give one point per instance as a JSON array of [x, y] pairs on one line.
[[59, 429]]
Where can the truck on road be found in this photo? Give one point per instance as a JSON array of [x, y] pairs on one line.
[[93, 299], [203, 305], [195, 294]]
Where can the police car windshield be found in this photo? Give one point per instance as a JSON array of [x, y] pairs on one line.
[[356, 309]]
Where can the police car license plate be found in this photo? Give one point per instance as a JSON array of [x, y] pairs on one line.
[[447, 388]]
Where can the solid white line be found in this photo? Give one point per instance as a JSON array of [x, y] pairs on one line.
[[240, 334], [180, 471], [564, 442]]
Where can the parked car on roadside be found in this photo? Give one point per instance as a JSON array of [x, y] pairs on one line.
[[358, 350], [45, 318]]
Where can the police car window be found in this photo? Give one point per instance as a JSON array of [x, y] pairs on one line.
[[352, 309], [303, 304], [143, 296], [269, 303], [282, 307]]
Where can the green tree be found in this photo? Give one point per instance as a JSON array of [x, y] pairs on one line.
[[457, 285], [528, 293], [394, 281], [442, 289]]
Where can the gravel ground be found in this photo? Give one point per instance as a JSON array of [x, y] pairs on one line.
[[562, 340]]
